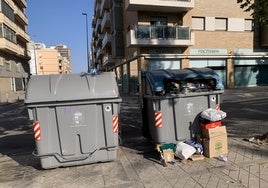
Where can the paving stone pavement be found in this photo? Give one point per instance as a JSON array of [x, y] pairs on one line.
[[137, 163]]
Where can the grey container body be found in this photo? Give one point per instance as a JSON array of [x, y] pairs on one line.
[[180, 115], [180, 112], [75, 113]]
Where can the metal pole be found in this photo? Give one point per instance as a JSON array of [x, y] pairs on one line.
[[85, 14], [35, 63]]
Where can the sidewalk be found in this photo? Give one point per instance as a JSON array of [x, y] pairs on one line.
[[138, 164]]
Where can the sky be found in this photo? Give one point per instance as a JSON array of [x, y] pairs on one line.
[[55, 22]]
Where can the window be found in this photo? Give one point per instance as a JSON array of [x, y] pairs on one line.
[[157, 26], [221, 24], [248, 25], [17, 67], [198, 23], [7, 65], [158, 20], [7, 10], [19, 84], [2, 61], [7, 33]]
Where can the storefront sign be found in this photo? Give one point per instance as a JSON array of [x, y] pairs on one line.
[[208, 51]]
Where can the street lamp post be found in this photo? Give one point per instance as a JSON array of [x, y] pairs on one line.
[[85, 14], [35, 59]]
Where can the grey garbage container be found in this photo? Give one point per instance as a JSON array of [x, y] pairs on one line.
[[172, 101], [75, 118]]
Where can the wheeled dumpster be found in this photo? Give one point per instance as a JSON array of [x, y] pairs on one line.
[[75, 118], [172, 101]]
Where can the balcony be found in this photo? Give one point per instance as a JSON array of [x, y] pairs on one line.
[[104, 5], [159, 5], [106, 40], [95, 50], [172, 36], [98, 25], [8, 22], [21, 16], [99, 40], [22, 34], [97, 8], [94, 21], [22, 3], [10, 47], [94, 34], [107, 60], [105, 21], [99, 53]]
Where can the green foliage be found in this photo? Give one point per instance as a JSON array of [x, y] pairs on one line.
[[259, 9]]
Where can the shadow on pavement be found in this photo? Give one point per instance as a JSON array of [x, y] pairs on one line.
[[16, 138], [131, 133]]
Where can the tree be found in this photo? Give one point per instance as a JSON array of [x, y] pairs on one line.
[[259, 9]]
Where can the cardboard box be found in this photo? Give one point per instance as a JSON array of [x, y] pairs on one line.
[[215, 146], [216, 131], [168, 155]]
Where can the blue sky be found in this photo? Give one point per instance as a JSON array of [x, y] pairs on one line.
[[55, 22]]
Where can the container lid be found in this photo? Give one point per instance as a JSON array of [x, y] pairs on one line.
[[68, 87], [156, 77]]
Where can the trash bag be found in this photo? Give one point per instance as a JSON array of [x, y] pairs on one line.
[[213, 114], [184, 151], [198, 146]]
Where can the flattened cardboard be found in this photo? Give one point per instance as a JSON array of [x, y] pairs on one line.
[[197, 157]]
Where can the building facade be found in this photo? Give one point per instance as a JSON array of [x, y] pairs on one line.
[[133, 35], [52, 60], [14, 56], [65, 52]]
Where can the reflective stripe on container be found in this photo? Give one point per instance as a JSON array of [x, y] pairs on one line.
[[158, 119], [37, 130], [115, 124]]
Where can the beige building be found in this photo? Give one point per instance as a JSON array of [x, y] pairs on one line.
[[65, 52], [14, 67], [134, 35], [52, 60]]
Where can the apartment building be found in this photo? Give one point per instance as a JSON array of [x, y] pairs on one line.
[[52, 60], [66, 61], [14, 67], [133, 35]]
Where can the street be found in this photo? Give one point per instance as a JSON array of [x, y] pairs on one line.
[[138, 163]]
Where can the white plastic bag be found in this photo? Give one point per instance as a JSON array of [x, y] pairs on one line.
[[184, 151], [213, 114]]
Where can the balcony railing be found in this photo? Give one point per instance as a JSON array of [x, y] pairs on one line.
[[104, 5], [105, 21], [106, 39], [162, 32], [107, 60]]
